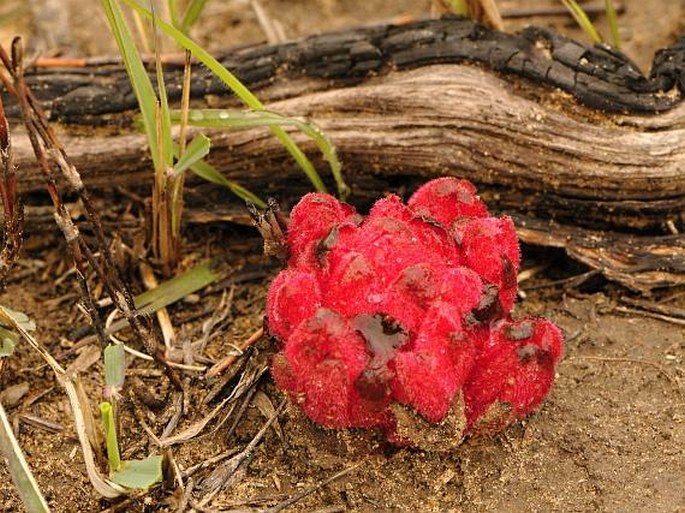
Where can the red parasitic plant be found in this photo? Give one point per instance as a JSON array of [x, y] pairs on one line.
[[407, 308]]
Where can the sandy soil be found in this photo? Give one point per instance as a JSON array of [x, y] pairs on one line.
[[610, 437]]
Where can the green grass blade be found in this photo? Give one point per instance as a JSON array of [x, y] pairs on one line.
[[109, 427], [177, 288], [582, 19], [612, 19], [219, 118], [18, 468], [172, 6], [192, 14], [195, 151], [205, 170], [140, 81], [238, 88]]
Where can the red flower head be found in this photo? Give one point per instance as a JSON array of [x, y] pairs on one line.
[[410, 307]]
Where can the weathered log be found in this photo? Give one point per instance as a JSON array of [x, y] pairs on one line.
[[597, 76], [532, 149]]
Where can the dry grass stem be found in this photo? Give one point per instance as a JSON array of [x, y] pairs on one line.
[[150, 281], [226, 362], [637, 311], [298, 497], [272, 28], [234, 463]]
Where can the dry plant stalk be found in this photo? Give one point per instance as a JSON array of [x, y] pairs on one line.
[[486, 11], [13, 209], [82, 414], [483, 11], [50, 153]]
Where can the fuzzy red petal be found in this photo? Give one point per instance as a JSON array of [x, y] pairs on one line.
[[312, 219], [513, 373], [447, 200], [325, 357], [462, 288], [352, 285], [293, 297], [490, 247], [429, 377]]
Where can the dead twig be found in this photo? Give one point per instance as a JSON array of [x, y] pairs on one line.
[[210, 461], [226, 362], [43, 141], [570, 282], [245, 387], [273, 30], [49, 149], [13, 209], [298, 497], [41, 423], [215, 482], [195, 429], [185, 498], [653, 315], [671, 311]]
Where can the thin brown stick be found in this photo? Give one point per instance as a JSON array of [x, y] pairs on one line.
[[226, 362], [210, 461], [571, 281], [671, 311], [38, 136], [187, 493], [244, 455], [653, 315], [298, 497], [13, 209]]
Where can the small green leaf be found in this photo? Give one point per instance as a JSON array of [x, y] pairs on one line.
[[21, 318], [115, 366], [8, 339], [139, 474], [195, 151], [177, 288]]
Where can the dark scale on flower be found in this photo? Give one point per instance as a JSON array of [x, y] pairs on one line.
[[401, 320]]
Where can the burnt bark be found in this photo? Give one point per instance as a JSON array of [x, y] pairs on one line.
[[597, 76], [585, 151]]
